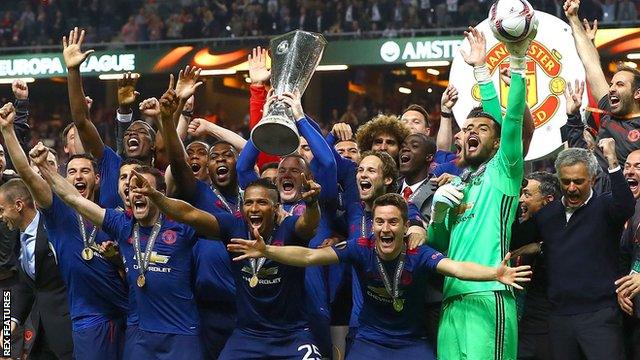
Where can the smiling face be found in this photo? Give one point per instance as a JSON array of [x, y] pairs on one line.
[[414, 155], [222, 165], [389, 229], [9, 213], [138, 142], [575, 183], [348, 149], [370, 179], [632, 173], [479, 140], [82, 175], [622, 94], [259, 208], [143, 209], [387, 143], [416, 122], [289, 180], [198, 159]]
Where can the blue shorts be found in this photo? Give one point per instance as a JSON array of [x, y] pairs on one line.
[[216, 325], [321, 329], [101, 342], [367, 350], [159, 346], [290, 346], [130, 338]]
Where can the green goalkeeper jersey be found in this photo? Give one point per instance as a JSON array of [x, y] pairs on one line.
[[479, 229]]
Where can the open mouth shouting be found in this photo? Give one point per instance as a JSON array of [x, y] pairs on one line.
[[633, 185], [365, 185], [473, 143], [614, 100], [255, 220], [405, 157], [139, 206], [386, 239], [195, 167], [133, 144], [81, 187], [222, 173]]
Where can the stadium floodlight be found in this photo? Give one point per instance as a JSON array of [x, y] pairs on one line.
[[427, 63], [331, 67], [211, 72], [11, 80], [433, 72], [633, 56], [116, 76], [404, 90]]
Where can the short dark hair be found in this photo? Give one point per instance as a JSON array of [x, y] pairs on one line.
[[264, 183], [66, 130], [15, 189], [152, 131], [131, 161], [478, 112], [297, 156], [549, 185], [635, 72], [429, 142], [89, 157], [392, 199], [389, 168], [160, 184], [421, 110], [223, 142], [204, 144]]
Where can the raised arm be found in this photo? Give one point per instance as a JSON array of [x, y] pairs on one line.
[[127, 95], [288, 255], [199, 127], [575, 126], [205, 224], [37, 186], [21, 124], [587, 51], [622, 204], [475, 272], [308, 222], [444, 138], [74, 57], [64, 189]]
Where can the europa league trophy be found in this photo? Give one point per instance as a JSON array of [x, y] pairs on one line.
[[294, 58]]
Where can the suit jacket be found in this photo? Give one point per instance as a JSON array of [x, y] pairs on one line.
[[422, 199], [45, 298]]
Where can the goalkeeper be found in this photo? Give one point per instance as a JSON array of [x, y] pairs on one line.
[[472, 216]]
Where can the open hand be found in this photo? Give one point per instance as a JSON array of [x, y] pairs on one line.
[[72, 53], [628, 286], [510, 276], [573, 96], [188, 82], [342, 131], [127, 89], [449, 98], [295, 103], [250, 249], [478, 52], [258, 72]]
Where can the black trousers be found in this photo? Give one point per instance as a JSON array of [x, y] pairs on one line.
[[594, 336], [533, 347]]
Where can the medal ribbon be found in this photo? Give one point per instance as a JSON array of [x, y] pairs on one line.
[[92, 237], [143, 264], [224, 201], [256, 265], [392, 289]]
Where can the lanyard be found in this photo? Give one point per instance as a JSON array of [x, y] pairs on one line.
[[224, 201], [143, 264], [392, 289]]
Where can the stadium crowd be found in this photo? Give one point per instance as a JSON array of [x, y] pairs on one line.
[[380, 238], [30, 22]]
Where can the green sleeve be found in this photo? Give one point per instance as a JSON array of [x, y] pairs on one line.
[[438, 236], [490, 101], [510, 151]]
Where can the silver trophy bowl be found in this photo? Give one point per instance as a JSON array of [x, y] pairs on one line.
[[294, 58]]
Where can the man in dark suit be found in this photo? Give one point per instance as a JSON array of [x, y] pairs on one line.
[[416, 155], [40, 289]]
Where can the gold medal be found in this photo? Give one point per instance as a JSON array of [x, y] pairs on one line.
[[87, 254], [141, 281], [398, 304], [254, 281]]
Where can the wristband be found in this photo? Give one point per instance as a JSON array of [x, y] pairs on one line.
[[124, 118], [446, 115], [415, 222], [188, 114], [481, 73], [517, 64]]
